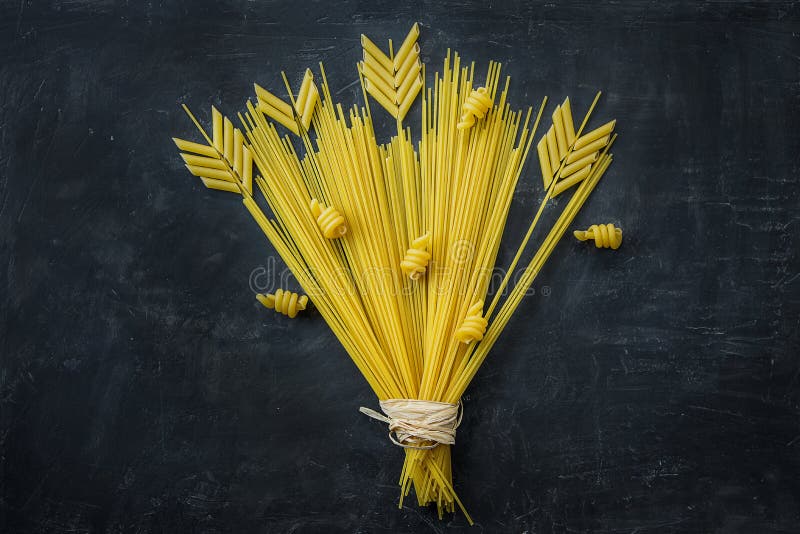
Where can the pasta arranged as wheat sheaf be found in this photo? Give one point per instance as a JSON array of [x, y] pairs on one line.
[[285, 302], [604, 235], [417, 331]]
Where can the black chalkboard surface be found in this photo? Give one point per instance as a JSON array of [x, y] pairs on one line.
[[142, 388]]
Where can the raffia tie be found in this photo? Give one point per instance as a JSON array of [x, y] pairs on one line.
[[419, 424]]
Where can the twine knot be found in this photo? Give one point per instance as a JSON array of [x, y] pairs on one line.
[[419, 424]]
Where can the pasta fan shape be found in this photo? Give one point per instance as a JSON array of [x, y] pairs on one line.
[[304, 104], [226, 163], [566, 158], [394, 82]]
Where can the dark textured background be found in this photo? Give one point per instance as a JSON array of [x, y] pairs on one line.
[[142, 389]]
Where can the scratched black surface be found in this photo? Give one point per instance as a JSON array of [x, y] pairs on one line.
[[650, 390]]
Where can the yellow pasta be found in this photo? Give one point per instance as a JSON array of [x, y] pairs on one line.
[[594, 135], [330, 221], [582, 163], [393, 81], [566, 158], [566, 120], [285, 302], [417, 257], [475, 107], [604, 235], [304, 104], [225, 163], [574, 179], [560, 133], [594, 146], [416, 330], [408, 46], [474, 325], [544, 162]]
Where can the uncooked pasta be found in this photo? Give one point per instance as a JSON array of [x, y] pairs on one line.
[[285, 302], [396, 240], [604, 235]]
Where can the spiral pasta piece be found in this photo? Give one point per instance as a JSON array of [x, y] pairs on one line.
[[417, 257], [475, 107], [604, 235], [285, 302], [329, 220], [474, 325]]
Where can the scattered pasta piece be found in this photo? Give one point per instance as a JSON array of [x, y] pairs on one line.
[[417, 257], [393, 82], [329, 220], [475, 107], [304, 104], [474, 325], [285, 302], [226, 163], [604, 235]]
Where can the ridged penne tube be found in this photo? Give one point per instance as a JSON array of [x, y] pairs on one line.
[[376, 53], [279, 105], [286, 120], [417, 257], [305, 86], [197, 148], [203, 161], [561, 137], [544, 162], [604, 235], [227, 142], [217, 130], [571, 169], [594, 135], [331, 223], [382, 99], [408, 84], [238, 144], [474, 325], [552, 149], [407, 46], [409, 98], [211, 183], [594, 146], [247, 171], [569, 126], [216, 174], [377, 70], [378, 83], [566, 183], [410, 62], [312, 99], [285, 302]]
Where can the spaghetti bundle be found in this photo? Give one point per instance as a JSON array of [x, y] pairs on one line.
[[394, 242]]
